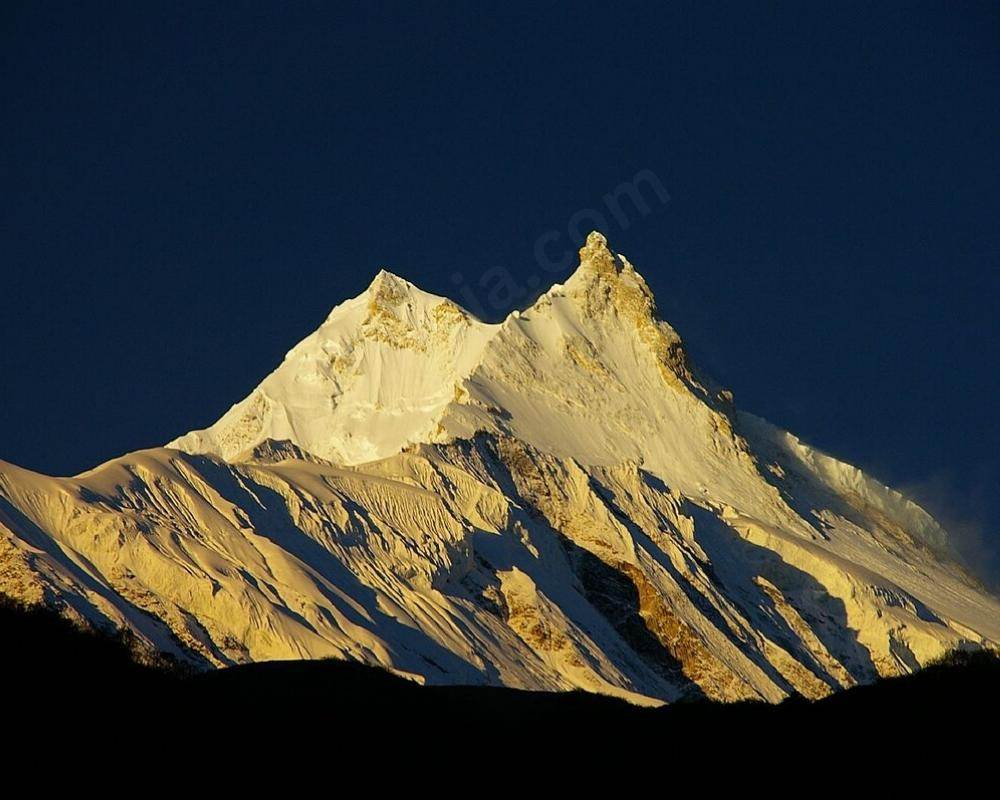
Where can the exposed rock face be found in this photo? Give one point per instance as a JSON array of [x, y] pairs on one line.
[[555, 502], [608, 285]]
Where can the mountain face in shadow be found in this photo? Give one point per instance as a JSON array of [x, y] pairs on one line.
[[63, 669]]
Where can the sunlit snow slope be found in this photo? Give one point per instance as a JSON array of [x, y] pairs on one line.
[[375, 375], [559, 501]]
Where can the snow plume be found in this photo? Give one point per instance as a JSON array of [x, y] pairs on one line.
[[962, 507]]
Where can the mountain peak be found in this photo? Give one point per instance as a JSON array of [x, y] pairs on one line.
[[596, 256], [551, 502], [606, 280], [388, 288], [598, 261], [386, 276]]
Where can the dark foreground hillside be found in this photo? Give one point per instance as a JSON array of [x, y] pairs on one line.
[[48, 664]]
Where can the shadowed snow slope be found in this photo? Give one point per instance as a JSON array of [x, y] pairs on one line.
[[559, 501]]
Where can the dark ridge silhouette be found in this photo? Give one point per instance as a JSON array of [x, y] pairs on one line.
[[51, 664]]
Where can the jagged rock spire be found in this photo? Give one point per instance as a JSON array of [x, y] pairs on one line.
[[595, 255]]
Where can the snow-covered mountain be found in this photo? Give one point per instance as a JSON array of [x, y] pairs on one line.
[[558, 501]]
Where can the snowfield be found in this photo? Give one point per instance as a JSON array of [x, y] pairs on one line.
[[558, 501]]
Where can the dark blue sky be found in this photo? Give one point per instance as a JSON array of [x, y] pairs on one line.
[[186, 192]]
